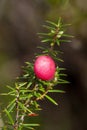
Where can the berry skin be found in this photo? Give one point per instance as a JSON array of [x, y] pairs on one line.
[[44, 67]]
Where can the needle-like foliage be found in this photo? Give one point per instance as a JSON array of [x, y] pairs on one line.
[[28, 89]]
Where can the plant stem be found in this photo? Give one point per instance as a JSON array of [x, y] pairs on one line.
[[16, 124], [43, 95], [23, 114]]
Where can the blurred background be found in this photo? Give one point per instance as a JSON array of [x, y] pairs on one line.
[[20, 21]]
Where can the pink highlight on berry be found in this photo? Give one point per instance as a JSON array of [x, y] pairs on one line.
[[44, 67]]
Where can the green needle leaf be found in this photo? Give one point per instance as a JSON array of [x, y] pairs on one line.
[[59, 22], [9, 116], [52, 23], [51, 99], [65, 40], [67, 35], [30, 125], [11, 105], [10, 87], [62, 81], [65, 25], [56, 91], [46, 40], [49, 27]]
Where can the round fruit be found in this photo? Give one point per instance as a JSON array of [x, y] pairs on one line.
[[44, 67]]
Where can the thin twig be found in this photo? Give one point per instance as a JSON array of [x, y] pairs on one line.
[[16, 124]]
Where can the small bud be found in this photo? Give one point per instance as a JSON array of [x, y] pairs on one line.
[[33, 114]]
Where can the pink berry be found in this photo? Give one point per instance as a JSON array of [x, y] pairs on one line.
[[44, 67]]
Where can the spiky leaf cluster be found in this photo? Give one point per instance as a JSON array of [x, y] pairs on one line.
[[55, 35], [28, 89]]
